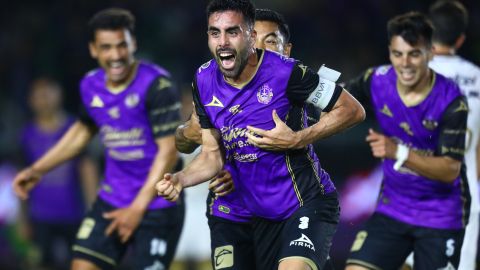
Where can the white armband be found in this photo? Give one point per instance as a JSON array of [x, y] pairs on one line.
[[321, 96], [401, 156]]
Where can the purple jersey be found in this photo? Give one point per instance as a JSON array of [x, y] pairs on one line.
[[63, 181], [434, 127], [230, 206], [129, 122], [269, 184]]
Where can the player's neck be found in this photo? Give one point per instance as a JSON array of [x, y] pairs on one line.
[[439, 49], [248, 72]]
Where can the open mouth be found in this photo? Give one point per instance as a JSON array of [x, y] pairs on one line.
[[117, 67], [227, 59], [407, 75]]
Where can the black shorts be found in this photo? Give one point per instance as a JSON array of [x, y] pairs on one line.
[[307, 234], [385, 243], [153, 243], [231, 243]]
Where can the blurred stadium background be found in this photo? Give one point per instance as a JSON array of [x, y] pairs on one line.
[[49, 37]]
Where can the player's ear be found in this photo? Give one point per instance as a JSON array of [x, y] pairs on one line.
[[93, 50], [287, 49], [459, 42]]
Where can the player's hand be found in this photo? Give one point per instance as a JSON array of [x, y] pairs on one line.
[[222, 184], [169, 187], [124, 221], [279, 138], [192, 129], [24, 181], [381, 145]]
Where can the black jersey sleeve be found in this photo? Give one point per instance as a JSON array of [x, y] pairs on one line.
[[199, 108], [85, 118], [359, 87], [302, 82], [163, 106], [453, 128]]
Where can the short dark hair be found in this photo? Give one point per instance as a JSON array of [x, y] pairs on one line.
[[263, 14], [243, 6], [111, 19], [413, 27], [450, 19]]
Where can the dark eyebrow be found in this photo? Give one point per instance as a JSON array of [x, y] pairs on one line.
[[213, 28], [271, 34], [236, 27]]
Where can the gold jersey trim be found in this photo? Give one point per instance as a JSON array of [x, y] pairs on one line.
[[292, 175], [425, 93], [94, 254]]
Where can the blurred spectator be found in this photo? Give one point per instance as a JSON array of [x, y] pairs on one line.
[[55, 209]]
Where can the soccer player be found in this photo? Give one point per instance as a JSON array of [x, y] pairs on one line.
[[74, 183], [292, 199], [450, 20], [134, 107], [424, 200]]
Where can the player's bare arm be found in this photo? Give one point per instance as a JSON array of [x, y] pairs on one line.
[[126, 220], [189, 135], [439, 168], [203, 168], [346, 112], [70, 145]]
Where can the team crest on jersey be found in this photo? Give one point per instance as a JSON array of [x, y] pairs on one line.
[[265, 94], [96, 102], [132, 100], [429, 124], [204, 66]]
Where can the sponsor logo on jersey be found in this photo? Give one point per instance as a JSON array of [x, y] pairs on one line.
[[462, 107], [164, 83], [406, 127], [224, 209], [86, 228], [96, 102], [265, 94], [385, 110], [303, 241], [215, 103], [235, 109], [359, 240]]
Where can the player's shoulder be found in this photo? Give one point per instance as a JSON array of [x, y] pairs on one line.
[[206, 68], [381, 71]]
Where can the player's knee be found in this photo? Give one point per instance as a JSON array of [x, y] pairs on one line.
[[79, 264], [295, 264], [355, 267]]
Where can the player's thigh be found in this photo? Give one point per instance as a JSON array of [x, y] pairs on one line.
[[383, 243], [232, 244], [307, 235], [155, 240], [91, 243], [437, 249]]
